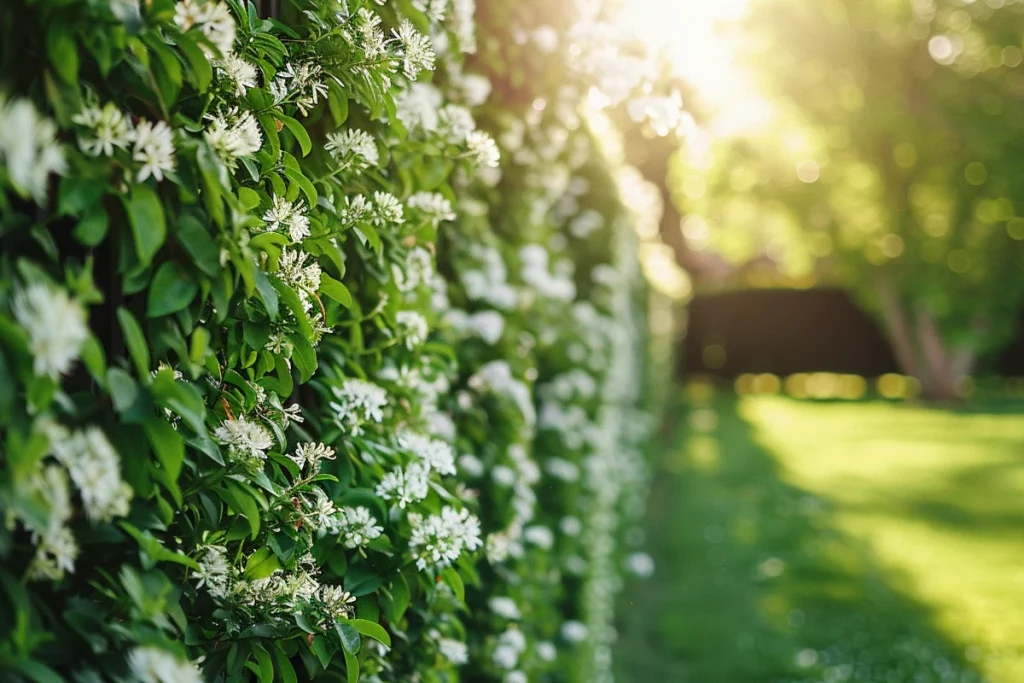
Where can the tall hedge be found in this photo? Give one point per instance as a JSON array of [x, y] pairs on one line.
[[297, 379]]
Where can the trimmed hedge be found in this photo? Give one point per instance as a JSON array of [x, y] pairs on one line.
[[295, 379]]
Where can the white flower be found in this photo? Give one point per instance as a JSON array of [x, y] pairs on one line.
[[419, 269], [294, 271], [463, 12], [247, 441], [413, 327], [372, 38], [504, 607], [471, 465], [358, 401], [482, 149], [497, 548], [406, 485], [417, 54], [240, 72], [433, 206], [337, 602], [456, 122], [154, 149], [110, 128], [563, 469], [571, 526], [212, 18], [417, 107], [503, 476], [488, 325], [152, 665], [95, 468], [516, 677], [476, 88], [215, 572], [513, 637], [437, 455], [387, 209], [454, 651], [539, 536], [55, 324], [353, 145], [640, 564], [357, 527], [438, 540], [574, 631], [546, 651], [310, 455], [55, 555], [505, 657], [234, 137], [28, 147], [434, 9], [305, 81], [290, 217]]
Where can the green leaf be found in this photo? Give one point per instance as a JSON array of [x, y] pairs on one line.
[[337, 102], [214, 177], [304, 356], [291, 299], [351, 667], [266, 664], [199, 63], [196, 240], [245, 503], [249, 198], [453, 579], [167, 444], [297, 131], [267, 292], [335, 290], [172, 289], [372, 629], [135, 341], [302, 181], [123, 389], [261, 564], [79, 194], [395, 606], [94, 359], [91, 230], [146, 216], [60, 48], [350, 640], [284, 666], [320, 648]]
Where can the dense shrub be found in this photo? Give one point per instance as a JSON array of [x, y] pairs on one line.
[[295, 379]]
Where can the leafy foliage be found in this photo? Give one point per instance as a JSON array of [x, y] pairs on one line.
[[294, 380]]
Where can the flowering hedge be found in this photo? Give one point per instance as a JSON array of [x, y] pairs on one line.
[[296, 378]]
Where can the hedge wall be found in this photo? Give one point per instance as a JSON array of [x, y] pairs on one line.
[[297, 379]]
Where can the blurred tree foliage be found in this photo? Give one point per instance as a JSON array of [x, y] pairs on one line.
[[890, 163]]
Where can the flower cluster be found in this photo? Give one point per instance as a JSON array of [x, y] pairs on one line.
[[29, 150], [303, 325]]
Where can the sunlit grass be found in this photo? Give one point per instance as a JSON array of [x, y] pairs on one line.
[[938, 494], [803, 542]]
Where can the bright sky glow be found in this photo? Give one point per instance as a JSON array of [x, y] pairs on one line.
[[694, 34]]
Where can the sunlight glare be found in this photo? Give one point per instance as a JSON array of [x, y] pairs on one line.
[[694, 35]]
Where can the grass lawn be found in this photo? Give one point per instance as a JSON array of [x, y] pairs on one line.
[[832, 542]]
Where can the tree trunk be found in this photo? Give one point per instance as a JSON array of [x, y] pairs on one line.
[[920, 350]]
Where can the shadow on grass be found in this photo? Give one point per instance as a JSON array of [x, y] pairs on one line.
[[755, 584]]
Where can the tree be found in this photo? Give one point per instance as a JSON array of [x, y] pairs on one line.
[[889, 165]]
